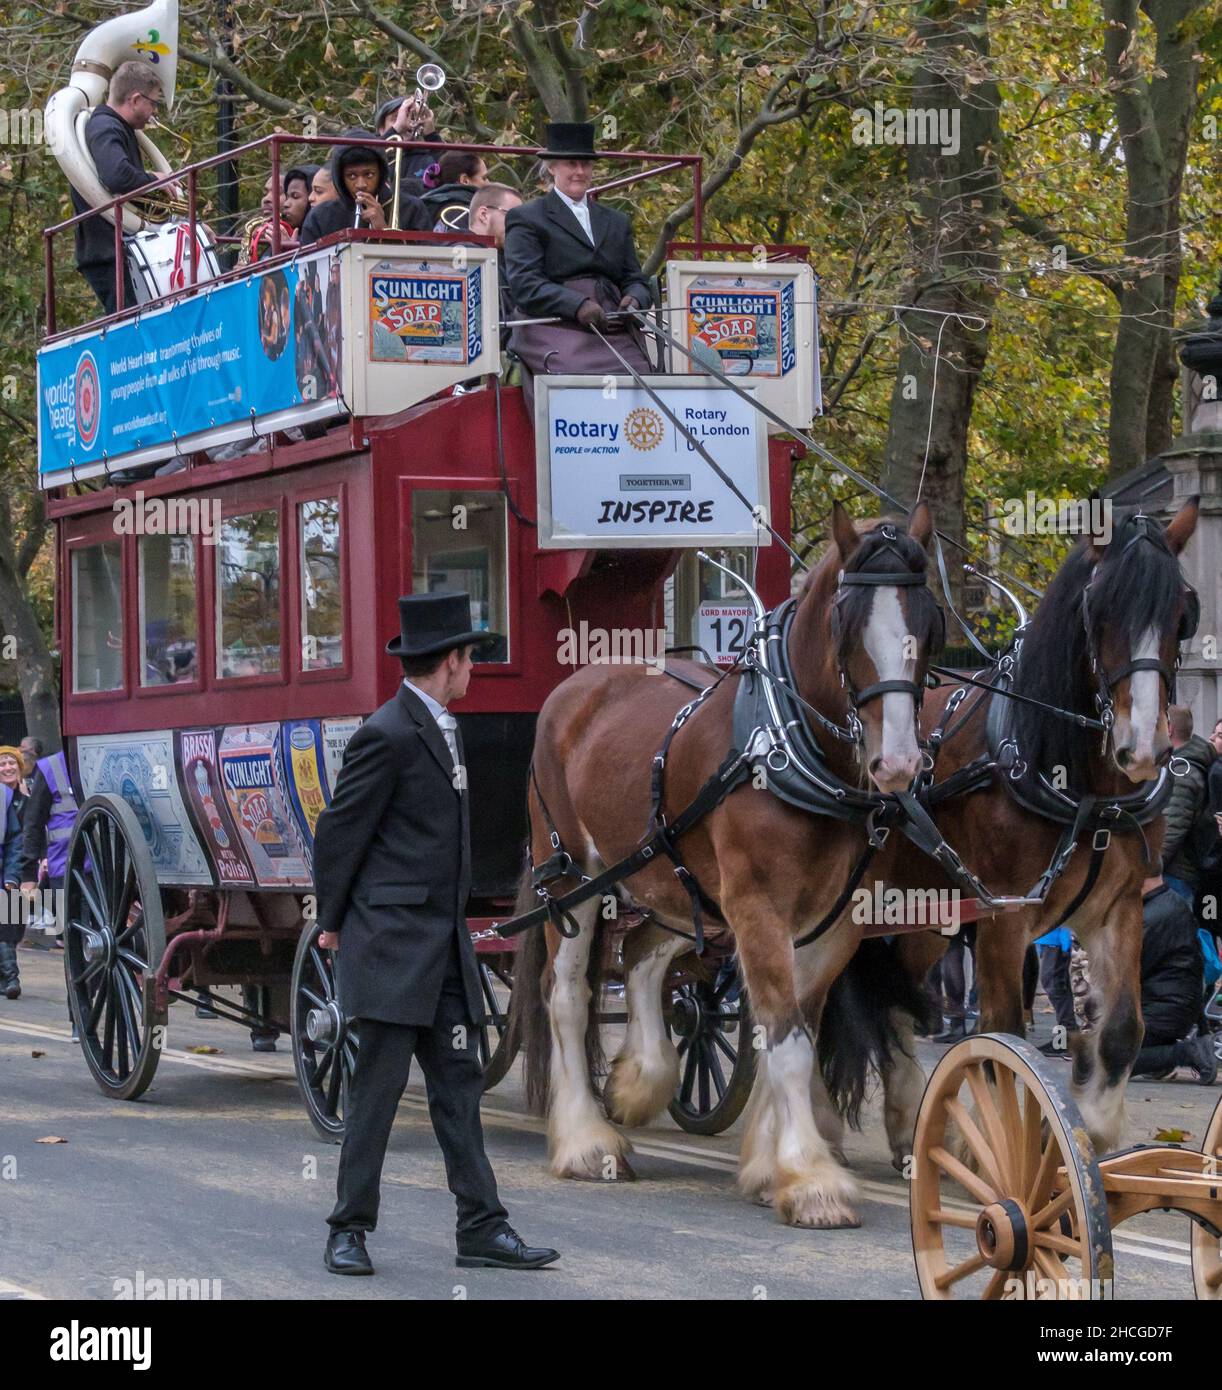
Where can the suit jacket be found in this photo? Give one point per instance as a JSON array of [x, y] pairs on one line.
[[115, 151], [392, 865], [545, 245]]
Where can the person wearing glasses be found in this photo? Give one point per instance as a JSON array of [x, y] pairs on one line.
[[110, 137], [486, 217]]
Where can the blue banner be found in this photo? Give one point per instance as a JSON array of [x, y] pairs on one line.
[[248, 348]]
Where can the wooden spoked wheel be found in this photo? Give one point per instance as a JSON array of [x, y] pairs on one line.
[[497, 1047], [1005, 1186], [325, 1043], [1207, 1247], [114, 939]]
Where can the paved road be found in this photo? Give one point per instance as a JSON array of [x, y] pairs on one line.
[[215, 1174]]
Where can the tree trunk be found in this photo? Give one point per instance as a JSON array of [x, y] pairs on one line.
[[35, 665], [1153, 118], [955, 235]]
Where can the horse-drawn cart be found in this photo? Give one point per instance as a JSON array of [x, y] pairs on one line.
[[222, 618]]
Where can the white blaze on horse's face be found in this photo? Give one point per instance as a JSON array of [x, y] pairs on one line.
[[1140, 737], [893, 758]]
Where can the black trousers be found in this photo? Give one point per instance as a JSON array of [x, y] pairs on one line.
[[101, 279], [449, 1056]]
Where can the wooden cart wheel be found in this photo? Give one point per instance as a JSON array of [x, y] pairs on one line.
[[325, 1043], [1206, 1247], [1000, 1212], [497, 1048], [712, 1028], [114, 939]]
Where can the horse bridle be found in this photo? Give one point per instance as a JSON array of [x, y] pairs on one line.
[[1105, 680], [904, 579]]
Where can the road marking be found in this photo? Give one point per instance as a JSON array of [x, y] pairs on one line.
[[884, 1194], [15, 1291]]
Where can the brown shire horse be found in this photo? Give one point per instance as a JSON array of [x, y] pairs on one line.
[[1108, 608], [767, 866]]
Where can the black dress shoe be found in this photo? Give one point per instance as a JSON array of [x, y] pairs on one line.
[[263, 1042], [346, 1254], [506, 1251]]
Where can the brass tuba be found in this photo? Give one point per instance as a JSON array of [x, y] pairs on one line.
[[150, 35]]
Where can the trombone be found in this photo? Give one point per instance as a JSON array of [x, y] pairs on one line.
[[429, 78]]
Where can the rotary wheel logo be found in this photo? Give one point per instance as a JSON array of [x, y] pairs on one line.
[[88, 399], [643, 428]]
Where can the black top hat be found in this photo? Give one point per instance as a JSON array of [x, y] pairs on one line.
[[434, 623], [570, 140]]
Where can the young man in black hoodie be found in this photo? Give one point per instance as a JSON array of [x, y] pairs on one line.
[[110, 137], [361, 178], [1172, 988]]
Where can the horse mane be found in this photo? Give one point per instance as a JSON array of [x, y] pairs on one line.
[[1132, 588], [874, 555]]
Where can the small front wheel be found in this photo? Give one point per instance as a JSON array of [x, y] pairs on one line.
[[325, 1043]]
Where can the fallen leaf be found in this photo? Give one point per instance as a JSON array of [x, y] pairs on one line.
[[1172, 1136], [35, 1053], [50, 1139], [204, 1049]]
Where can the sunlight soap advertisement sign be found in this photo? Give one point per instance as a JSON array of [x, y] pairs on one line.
[[615, 471], [422, 313]]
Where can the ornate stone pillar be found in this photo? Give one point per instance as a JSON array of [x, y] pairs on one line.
[[1194, 462]]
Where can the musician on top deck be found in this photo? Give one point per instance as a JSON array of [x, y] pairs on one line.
[[361, 177], [110, 137], [571, 258]]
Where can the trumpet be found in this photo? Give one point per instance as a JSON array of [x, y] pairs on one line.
[[162, 205], [430, 77]]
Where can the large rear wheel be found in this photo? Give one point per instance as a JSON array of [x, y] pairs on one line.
[[114, 939]]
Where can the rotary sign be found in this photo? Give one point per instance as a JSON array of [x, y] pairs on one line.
[[615, 470]]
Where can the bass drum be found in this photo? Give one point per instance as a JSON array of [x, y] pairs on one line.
[[160, 259]]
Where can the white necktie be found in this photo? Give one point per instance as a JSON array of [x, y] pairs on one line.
[[447, 724]]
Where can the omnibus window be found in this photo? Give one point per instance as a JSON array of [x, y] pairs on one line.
[[460, 544], [248, 602], [322, 614], [168, 653], [97, 617]]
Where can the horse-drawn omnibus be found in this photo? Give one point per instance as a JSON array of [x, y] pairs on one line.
[[248, 467]]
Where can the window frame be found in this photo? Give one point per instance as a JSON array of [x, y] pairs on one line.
[[271, 502], [296, 498], [97, 531], [513, 596], [139, 689]]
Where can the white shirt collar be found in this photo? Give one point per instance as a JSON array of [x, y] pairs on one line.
[[564, 198], [433, 706]]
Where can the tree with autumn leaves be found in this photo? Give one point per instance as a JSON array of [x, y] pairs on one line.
[[996, 317]]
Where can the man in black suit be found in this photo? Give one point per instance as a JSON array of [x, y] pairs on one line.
[[392, 863], [567, 257], [110, 137]]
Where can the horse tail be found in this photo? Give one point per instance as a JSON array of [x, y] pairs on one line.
[[857, 1030]]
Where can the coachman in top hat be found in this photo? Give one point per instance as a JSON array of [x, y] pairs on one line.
[[393, 866], [570, 258]]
